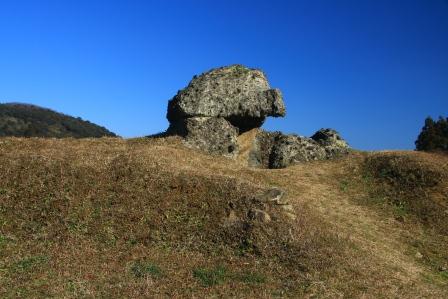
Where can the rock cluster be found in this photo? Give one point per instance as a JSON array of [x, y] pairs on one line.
[[222, 103], [277, 150], [219, 105]]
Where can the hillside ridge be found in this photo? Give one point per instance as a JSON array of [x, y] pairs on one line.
[[151, 218], [28, 120]]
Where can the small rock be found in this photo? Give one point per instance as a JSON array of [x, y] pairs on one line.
[[443, 269], [231, 219], [289, 212], [418, 255], [273, 195], [288, 208], [259, 215], [399, 218], [291, 216]]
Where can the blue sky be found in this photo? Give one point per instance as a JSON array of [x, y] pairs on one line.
[[372, 69]]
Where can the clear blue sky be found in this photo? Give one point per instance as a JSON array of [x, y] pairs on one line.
[[372, 69]]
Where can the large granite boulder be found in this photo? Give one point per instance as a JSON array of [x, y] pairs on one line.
[[277, 150], [222, 103], [239, 94], [214, 135]]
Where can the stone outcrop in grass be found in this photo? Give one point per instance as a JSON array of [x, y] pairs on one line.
[[212, 134], [331, 141], [278, 150], [239, 94], [224, 102]]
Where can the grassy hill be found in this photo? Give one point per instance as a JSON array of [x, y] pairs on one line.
[[24, 120], [113, 218]]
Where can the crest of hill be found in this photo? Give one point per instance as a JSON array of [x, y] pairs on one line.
[[26, 120], [150, 218]]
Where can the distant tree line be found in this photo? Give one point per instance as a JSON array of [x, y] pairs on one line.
[[24, 120], [434, 135]]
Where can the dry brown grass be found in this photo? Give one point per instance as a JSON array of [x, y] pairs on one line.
[[149, 218], [414, 182]]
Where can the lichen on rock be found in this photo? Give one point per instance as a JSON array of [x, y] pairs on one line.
[[292, 149], [225, 102], [332, 142], [240, 95], [262, 145], [278, 150], [214, 135]]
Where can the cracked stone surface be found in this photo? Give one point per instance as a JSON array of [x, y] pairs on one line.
[[278, 150], [214, 135], [239, 94]]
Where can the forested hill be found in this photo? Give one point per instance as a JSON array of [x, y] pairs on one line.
[[25, 120]]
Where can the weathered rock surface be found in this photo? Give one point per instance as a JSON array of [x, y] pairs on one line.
[[292, 149], [214, 135], [277, 150], [259, 215], [269, 205], [274, 201], [273, 195], [262, 146], [219, 105], [239, 94], [332, 142]]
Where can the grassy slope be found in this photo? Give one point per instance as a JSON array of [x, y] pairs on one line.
[[150, 218]]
